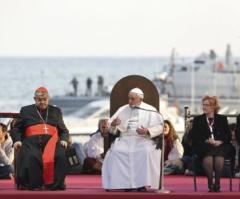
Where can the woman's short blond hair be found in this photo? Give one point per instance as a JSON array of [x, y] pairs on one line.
[[213, 100]]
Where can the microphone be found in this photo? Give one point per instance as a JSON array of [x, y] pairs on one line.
[[160, 144], [158, 139], [137, 107]]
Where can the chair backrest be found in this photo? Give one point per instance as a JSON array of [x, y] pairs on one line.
[[9, 115], [119, 96]]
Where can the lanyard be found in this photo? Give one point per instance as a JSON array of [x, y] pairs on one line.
[[210, 122]]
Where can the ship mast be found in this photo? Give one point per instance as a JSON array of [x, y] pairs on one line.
[[228, 56], [171, 74], [192, 87], [212, 59]]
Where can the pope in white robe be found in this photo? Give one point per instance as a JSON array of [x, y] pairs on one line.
[[133, 162]]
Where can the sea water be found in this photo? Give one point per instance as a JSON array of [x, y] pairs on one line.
[[20, 76]]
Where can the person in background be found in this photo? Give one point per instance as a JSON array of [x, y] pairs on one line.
[[80, 152], [187, 149], [211, 140], [237, 134], [234, 153], [173, 150], [95, 150], [41, 137], [74, 83], [89, 86], [100, 85], [6, 153]]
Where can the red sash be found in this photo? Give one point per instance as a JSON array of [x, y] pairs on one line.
[[49, 150]]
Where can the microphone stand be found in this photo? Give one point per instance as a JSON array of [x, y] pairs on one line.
[[161, 179]]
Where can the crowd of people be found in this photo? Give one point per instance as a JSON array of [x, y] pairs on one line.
[[40, 138]]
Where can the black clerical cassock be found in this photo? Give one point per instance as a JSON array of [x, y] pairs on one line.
[[41, 160]]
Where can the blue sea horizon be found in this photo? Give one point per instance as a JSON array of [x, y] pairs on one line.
[[20, 76]]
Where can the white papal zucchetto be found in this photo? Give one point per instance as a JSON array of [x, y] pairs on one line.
[[137, 91]]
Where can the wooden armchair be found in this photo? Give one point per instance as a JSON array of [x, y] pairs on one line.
[[119, 97], [70, 153]]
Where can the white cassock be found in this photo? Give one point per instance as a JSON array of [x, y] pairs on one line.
[[133, 161]]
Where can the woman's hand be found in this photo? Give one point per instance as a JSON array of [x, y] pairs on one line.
[[218, 142], [167, 163], [214, 142], [211, 141]]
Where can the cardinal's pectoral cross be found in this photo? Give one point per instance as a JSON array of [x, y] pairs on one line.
[[45, 129]]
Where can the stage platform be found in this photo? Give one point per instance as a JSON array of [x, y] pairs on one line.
[[89, 186]]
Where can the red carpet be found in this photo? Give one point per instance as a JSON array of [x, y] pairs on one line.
[[89, 186]]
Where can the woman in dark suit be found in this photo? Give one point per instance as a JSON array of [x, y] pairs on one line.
[[211, 140]]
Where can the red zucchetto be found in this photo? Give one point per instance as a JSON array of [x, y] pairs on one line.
[[41, 92]]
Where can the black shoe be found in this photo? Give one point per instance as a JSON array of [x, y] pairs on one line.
[[30, 188], [141, 189], [62, 187], [55, 188], [129, 190], [21, 187], [217, 188], [211, 188]]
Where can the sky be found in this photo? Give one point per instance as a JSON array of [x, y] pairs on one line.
[[118, 27]]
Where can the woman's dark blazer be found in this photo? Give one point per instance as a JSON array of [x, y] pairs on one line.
[[201, 132]]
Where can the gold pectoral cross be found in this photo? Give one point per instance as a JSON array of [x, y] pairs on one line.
[[45, 129]]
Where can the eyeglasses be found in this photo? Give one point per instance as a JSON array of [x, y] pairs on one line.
[[206, 105], [131, 98]]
